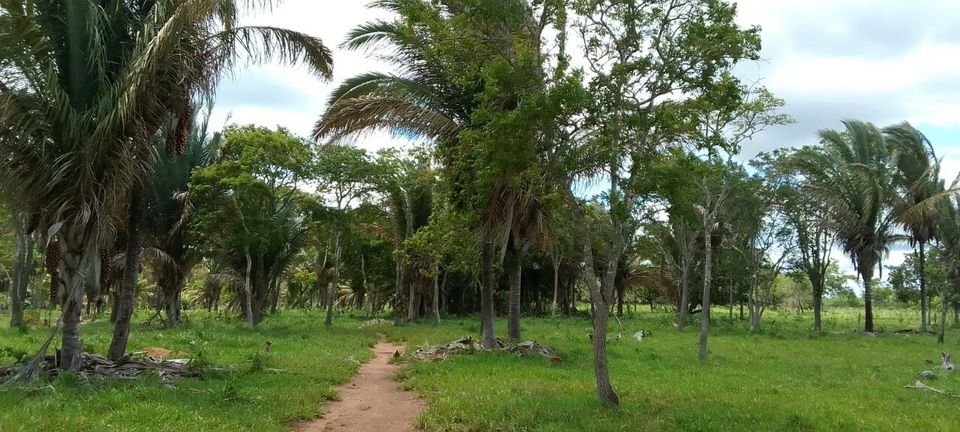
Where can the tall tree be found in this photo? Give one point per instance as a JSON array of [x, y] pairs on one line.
[[641, 55], [813, 238], [253, 213], [917, 179], [344, 175], [852, 175], [86, 86]]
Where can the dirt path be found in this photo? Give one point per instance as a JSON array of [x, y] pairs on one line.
[[371, 402]]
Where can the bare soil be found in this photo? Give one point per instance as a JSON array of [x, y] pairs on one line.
[[371, 402]]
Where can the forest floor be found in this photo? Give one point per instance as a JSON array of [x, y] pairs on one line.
[[785, 378]]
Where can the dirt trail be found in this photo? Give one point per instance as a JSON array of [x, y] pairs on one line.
[[371, 402]]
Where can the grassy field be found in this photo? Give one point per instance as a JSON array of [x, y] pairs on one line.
[[784, 379], [312, 359]]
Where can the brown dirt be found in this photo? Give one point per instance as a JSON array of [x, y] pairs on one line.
[[371, 402]]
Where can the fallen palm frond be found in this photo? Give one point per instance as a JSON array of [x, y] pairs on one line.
[[129, 367], [921, 386]]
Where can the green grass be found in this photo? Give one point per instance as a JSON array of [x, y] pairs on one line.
[[311, 357], [784, 379]]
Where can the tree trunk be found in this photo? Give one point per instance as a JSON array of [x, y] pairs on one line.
[[867, 302], [413, 308], [924, 315], [127, 298], [621, 291], [684, 293], [941, 336], [556, 284], [247, 292], [398, 294], [513, 316], [332, 294], [730, 301], [78, 252], [174, 294], [486, 295], [705, 306], [435, 307], [817, 309], [600, 314], [19, 270]]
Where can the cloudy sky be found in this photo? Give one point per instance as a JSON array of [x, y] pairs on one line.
[[830, 60]]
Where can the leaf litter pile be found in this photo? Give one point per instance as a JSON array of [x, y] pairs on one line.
[[153, 360], [468, 345]]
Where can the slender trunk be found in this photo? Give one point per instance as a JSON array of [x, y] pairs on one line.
[[621, 291], [398, 294], [413, 308], [867, 303], [444, 297], [600, 313], [817, 310], [754, 303], [435, 307], [601, 372], [556, 283], [730, 302], [705, 306], [331, 295], [943, 318], [924, 315], [127, 298], [956, 314], [274, 294], [247, 291], [513, 316], [684, 293], [941, 336], [363, 282], [19, 271], [486, 295]]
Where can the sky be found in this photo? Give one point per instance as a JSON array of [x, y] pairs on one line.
[[830, 60]]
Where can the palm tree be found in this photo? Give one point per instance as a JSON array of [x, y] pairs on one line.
[[85, 86], [917, 178], [852, 174], [168, 211], [948, 226], [430, 98]]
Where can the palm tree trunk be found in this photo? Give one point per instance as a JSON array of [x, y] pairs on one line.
[[486, 295], [332, 293], [513, 317], [126, 301], [19, 271], [924, 315], [78, 251], [867, 302]]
